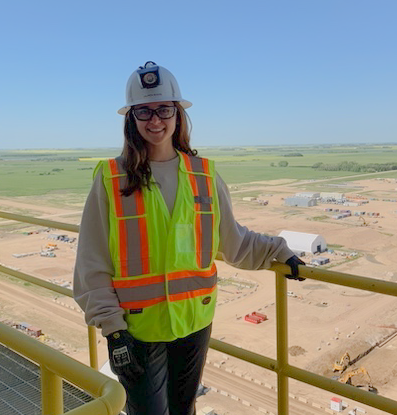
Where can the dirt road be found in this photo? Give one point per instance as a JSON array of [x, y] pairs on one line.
[[69, 328], [257, 395]]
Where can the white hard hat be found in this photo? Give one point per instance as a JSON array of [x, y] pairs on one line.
[[152, 83]]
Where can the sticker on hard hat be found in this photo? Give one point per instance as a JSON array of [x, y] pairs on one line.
[[206, 300]]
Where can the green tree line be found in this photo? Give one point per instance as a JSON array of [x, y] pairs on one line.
[[356, 167]]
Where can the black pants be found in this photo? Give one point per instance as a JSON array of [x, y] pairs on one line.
[[172, 375]]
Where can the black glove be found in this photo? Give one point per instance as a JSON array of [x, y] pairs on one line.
[[293, 262], [122, 356]]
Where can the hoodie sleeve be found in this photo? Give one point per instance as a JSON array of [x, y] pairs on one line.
[[241, 247], [93, 272]]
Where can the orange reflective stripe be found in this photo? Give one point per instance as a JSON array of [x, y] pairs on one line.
[[116, 195], [121, 223], [186, 159], [139, 282], [143, 303], [206, 168], [113, 167], [187, 274], [140, 207], [191, 294], [209, 187], [143, 233], [116, 188]]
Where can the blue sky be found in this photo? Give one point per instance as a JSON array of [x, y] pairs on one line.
[[258, 72]]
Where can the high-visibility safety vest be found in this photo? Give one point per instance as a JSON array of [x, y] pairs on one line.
[[165, 275]]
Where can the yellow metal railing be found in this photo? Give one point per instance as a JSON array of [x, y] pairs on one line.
[[281, 366], [55, 366]]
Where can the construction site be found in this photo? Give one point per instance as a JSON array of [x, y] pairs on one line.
[[338, 332]]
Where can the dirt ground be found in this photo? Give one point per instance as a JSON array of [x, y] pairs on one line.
[[325, 320]]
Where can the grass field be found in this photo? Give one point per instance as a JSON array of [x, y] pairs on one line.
[[57, 173], [42, 172]]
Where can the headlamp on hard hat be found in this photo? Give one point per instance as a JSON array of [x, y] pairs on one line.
[[149, 75]]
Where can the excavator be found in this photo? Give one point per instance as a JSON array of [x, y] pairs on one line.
[[342, 364], [347, 378]]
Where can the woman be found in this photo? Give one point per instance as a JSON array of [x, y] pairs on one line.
[[152, 225]]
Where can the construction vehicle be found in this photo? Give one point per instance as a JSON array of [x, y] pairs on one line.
[[49, 254], [365, 380], [342, 364], [364, 221]]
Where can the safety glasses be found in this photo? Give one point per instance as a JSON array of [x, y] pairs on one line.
[[146, 114]]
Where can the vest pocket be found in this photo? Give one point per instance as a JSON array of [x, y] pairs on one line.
[[183, 237]]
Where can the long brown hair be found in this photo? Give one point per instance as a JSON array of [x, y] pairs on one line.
[[136, 154]]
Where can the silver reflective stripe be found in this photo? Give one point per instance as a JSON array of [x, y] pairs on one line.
[[191, 284], [128, 202], [206, 239], [203, 199], [146, 292], [197, 164], [202, 186], [133, 247]]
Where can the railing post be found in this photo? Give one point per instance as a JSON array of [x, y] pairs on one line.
[[93, 347], [282, 343], [51, 393]]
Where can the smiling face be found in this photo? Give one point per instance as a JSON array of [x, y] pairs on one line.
[[157, 132]]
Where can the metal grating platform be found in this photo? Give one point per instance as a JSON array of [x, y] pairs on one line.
[[20, 387]]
